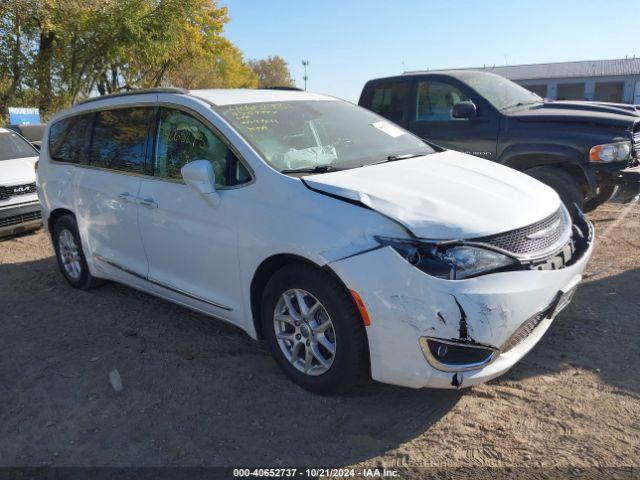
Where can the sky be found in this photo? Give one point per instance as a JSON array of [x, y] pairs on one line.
[[348, 42]]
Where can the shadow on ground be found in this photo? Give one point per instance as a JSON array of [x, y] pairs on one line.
[[196, 391], [597, 332]]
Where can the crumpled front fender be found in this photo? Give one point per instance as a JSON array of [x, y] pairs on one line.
[[405, 304]]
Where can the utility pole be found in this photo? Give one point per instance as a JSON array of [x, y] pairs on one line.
[[305, 64]]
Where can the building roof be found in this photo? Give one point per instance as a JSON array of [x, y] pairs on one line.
[[587, 68]]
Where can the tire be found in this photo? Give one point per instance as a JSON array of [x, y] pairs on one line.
[[349, 367], [565, 185], [73, 265], [605, 193]]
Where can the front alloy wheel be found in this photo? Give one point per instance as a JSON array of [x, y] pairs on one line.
[[304, 332], [314, 329]]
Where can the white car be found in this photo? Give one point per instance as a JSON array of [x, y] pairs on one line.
[[354, 248], [19, 206]]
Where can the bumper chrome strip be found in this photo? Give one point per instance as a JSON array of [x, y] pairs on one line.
[[446, 367]]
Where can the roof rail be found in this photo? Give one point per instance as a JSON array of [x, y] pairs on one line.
[[283, 87], [139, 91]]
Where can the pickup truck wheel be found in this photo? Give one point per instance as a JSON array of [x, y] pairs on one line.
[[604, 195], [565, 185], [314, 330], [70, 256]]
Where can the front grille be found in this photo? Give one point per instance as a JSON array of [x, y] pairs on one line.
[[636, 144], [15, 190], [537, 237], [18, 219]]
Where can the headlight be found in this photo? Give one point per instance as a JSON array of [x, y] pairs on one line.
[[610, 152], [453, 262]]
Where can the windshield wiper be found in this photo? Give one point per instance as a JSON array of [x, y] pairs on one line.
[[316, 169], [393, 158]]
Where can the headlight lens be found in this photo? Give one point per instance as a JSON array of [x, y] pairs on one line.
[[610, 152], [452, 262]]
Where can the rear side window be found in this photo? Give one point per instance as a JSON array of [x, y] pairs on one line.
[[389, 99], [69, 139], [120, 139]]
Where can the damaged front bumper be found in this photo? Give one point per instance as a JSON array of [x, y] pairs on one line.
[[493, 319]]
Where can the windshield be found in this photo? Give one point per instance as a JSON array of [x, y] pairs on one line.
[[306, 134], [13, 146], [500, 92]]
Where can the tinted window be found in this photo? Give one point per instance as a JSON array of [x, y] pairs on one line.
[[13, 146], [119, 139], [388, 100], [436, 101], [68, 139], [183, 139]]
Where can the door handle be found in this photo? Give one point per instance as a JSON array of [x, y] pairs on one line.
[[148, 202]]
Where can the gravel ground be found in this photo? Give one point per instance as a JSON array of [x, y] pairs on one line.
[[196, 391]]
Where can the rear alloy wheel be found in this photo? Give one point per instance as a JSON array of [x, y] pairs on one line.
[[69, 254], [71, 259], [314, 329]]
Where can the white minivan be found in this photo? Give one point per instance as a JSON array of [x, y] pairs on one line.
[[353, 247]]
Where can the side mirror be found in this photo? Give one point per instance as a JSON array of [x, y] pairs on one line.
[[464, 110], [199, 175]]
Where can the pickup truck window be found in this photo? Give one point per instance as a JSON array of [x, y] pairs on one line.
[[388, 100], [500, 92], [436, 101]]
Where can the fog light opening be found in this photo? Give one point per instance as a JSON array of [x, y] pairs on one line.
[[456, 356]]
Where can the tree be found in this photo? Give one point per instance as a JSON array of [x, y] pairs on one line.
[[54, 52], [227, 70], [272, 72]]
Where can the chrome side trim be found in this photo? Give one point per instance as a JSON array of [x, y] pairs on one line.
[[445, 367], [190, 295], [119, 267], [162, 285]]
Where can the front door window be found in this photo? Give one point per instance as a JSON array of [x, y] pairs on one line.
[[436, 100], [182, 139]]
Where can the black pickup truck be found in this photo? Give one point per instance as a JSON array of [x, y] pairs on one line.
[[584, 150]]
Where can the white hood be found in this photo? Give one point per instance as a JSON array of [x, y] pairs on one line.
[[18, 171], [444, 196]]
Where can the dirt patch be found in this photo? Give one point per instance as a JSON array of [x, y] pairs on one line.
[[196, 391]]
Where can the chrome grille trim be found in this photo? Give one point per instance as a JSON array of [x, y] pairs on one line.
[[534, 241], [6, 192], [19, 219], [636, 144]]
